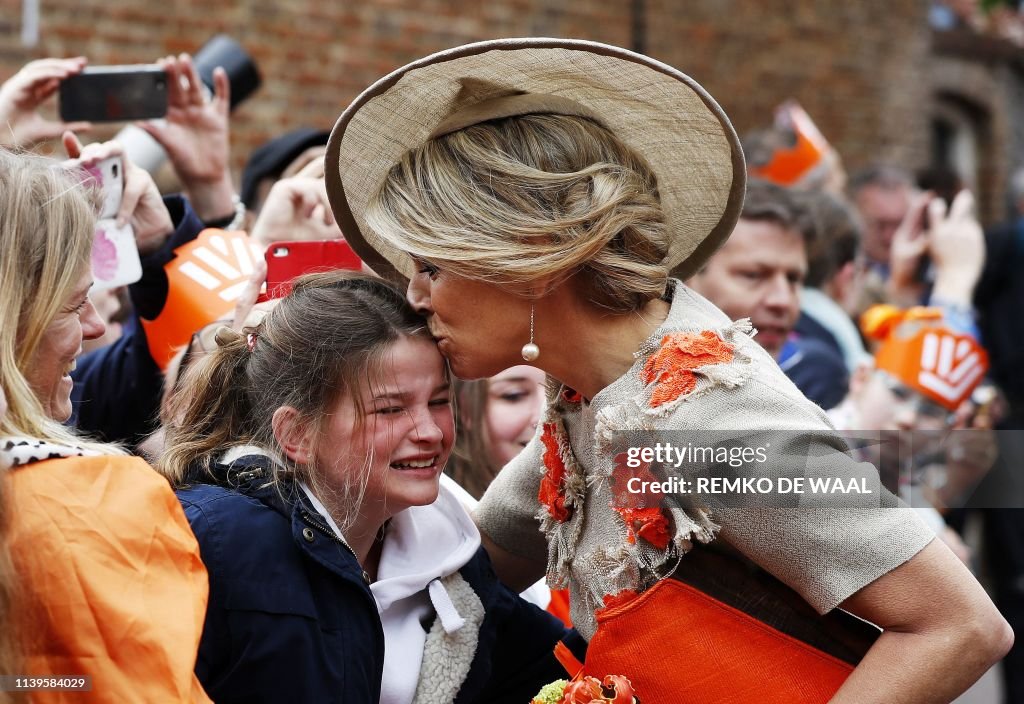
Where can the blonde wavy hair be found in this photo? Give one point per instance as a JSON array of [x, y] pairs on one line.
[[523, 198], [47, 221]]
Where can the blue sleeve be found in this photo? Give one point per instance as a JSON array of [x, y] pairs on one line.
[[958, 317], [213, 649], [116, 396], [818, 371]]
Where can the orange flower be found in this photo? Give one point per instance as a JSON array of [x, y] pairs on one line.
[[673, 364], [552, 485], [622, 497], [615, 689], [571, 395], [613, 601]]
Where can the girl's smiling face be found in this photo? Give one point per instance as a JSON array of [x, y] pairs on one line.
[[402, 443], [515, 401]]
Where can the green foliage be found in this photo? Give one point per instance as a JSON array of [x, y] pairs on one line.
[[551, 693]]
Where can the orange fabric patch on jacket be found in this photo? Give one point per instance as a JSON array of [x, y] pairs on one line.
[[552, 486], [613, 601], [648, 523], [572, 395], [640, 510], [624, 493], [672, 366]]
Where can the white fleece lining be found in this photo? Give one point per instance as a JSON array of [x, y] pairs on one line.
[[447, 656]]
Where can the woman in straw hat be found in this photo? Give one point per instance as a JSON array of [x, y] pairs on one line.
[[542, 199]]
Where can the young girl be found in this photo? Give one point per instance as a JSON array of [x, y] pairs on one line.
[[308, 458], [498, 417]]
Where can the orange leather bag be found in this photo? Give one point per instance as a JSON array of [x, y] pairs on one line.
[[679, 642]]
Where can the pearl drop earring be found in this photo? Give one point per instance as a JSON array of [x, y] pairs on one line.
[[530, 350]]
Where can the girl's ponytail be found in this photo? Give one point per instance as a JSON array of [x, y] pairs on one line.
[[212, 410]]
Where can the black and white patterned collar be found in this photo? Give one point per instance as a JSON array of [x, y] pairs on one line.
[[17, 452]]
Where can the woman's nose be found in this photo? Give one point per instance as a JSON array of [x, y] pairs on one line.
[[93, 326], [418, 293]]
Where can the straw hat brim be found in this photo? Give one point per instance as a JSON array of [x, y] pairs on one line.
[[663, 114]]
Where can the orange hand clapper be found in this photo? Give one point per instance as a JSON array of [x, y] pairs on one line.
[[924, 354], [204, 280]]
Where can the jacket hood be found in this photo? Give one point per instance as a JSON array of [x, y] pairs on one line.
[[422, 544]]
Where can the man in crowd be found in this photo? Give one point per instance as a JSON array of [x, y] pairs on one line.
[[758, 274]]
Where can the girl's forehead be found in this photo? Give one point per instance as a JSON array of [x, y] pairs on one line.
[[408, 365]]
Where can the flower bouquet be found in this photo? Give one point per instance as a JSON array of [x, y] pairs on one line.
[[614, 689]]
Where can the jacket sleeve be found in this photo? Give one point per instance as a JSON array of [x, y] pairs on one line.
[[114, 586], [213, 647], [116, 396]]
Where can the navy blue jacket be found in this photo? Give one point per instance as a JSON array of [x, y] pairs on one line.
[[291, 618], [817, 369]]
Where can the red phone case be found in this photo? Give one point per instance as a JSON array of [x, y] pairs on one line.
[[288, 260]]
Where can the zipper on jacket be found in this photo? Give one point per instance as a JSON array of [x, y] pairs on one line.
[[331, 534]]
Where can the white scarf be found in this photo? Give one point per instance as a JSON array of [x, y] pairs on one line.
[[424, 548]]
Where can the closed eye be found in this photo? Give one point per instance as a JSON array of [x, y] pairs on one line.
[[427, 268]]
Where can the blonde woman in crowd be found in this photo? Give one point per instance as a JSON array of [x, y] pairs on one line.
[[104, 578]]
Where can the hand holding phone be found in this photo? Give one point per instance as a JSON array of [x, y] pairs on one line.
[[908, 250], [140, 204], [296, 208], [24, 93], [115, 256], [114, 94]]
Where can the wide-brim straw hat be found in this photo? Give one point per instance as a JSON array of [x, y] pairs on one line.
[[663, 114]]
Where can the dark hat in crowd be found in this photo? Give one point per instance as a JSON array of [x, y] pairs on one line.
[[271, 159]]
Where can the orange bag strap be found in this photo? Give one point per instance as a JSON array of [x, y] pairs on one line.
[[569, 661]]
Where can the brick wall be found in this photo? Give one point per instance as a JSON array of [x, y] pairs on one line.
[[854, 66], [314, 56]]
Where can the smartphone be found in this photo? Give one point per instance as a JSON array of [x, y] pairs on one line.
[[288, 260], [114, 94], [115, 255], [108, 177]]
